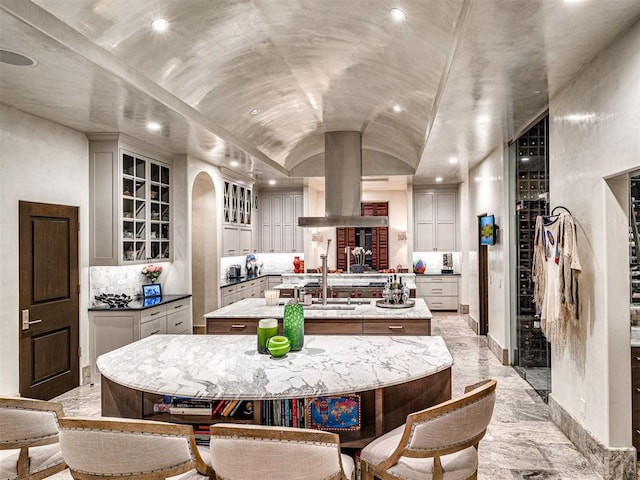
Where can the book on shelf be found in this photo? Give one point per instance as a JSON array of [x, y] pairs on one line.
[[229, 407], [190, 410], [220, 407], [236, 408]]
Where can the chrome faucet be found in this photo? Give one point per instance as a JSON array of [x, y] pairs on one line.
[[323, 258]]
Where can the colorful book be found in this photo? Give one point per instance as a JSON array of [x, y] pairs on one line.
[[229, 407], [236, 408], [220, 407]]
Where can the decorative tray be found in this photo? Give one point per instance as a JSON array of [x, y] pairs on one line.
[[383, 304]]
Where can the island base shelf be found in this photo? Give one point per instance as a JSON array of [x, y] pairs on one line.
[[382, 409]]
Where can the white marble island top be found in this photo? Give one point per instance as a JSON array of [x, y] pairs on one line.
[[229, 367], [257, 308]]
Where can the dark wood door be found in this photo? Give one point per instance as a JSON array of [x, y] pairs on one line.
[[48, 299], [483, 284]]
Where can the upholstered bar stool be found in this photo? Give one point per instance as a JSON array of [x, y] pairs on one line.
[[437, 443], [253, 452], [29, 447], [136, 449]]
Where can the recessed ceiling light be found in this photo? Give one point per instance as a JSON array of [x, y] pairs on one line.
[[255, 111], [234, 163], [397, 108], [153, 126], [438, 179], [453, 160], [160, 25], [14, 58], [272, 182], [398, 15]]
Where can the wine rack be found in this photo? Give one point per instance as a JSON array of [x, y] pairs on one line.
[[532, 185], [634, 245]]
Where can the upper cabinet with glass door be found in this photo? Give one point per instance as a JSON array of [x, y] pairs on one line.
[[130, 203], [146, 210], [237, 203]]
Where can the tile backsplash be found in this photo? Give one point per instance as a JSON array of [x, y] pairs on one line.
[[433, 261], [127, 279], [271, 263]]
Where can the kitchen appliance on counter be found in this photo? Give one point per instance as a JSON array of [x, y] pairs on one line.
[[234, 271], [447, 263]]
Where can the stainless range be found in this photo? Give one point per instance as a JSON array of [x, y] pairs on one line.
[[357, 290]]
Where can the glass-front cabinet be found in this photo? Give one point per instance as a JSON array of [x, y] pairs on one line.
[[146, 195], [237, 207], [130, 202]]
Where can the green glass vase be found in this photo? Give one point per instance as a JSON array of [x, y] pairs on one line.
[[293, 325]]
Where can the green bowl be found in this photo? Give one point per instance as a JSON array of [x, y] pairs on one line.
[[278, 346]]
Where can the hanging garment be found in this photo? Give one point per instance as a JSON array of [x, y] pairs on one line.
[[556, 267]]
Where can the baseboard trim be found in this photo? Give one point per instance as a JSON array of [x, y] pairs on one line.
[[610, 463], [502, 354], [473, 324]]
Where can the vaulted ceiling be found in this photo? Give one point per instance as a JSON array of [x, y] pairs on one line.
[[261, 81]]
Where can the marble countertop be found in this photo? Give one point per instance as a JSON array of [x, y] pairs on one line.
[[257, 308], [229, 367], [140, 304]]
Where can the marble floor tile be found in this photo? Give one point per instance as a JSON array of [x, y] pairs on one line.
[[522, 443]]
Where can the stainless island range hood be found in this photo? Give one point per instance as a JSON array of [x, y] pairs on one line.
[[342, 184]]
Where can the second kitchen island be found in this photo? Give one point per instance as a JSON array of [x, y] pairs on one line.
[[340, 318]]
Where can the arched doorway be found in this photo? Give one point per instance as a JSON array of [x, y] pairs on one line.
[[204, 248]]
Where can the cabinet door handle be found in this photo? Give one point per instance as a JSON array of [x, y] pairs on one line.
[[154, 332], [179, 323], [395, 327], [178, 306], [154, 314], [436, 290], [239, 325]]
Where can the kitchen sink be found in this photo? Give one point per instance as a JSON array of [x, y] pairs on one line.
[[330, 306]]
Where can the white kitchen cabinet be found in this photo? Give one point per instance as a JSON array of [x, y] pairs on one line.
[[237, 216], [230, 240], [239, 291], [228, 295], [111, 329], [129, 200], [273, 281], [435, 221], [179, 318], [279, 223], [440, 292]]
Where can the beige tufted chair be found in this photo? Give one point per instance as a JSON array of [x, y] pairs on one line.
[[29, 446], [438, 443], [253, 452], [133, 449]]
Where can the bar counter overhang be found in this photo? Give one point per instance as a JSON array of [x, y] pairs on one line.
[[394, 374]]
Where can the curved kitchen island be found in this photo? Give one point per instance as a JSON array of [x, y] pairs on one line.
[[394, 376]]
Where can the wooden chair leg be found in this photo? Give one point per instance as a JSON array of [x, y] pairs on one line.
[[23, 464], [365, 471]]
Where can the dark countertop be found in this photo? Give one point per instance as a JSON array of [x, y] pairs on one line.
[[435, 274], [139, 304], [227, 282]]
